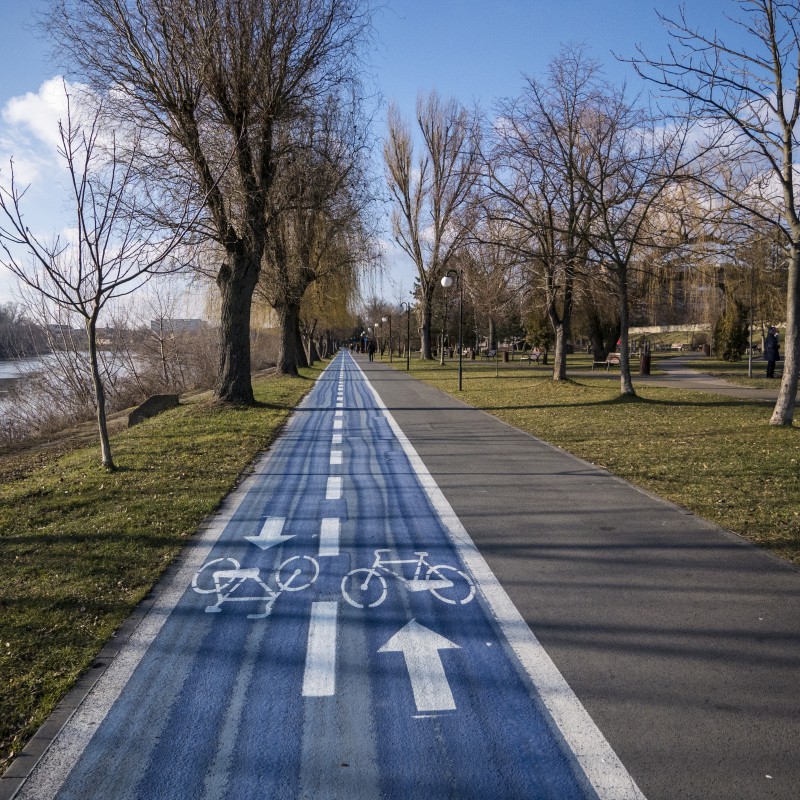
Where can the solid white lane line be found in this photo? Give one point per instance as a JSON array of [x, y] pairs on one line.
[[319, 679], [336, 458], [329, 536], [601, 765], [334, 489]]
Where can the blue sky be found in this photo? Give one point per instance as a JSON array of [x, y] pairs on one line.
[[474, 50]]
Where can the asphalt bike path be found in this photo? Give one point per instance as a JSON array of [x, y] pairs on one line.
[[334, 633], [680, 639]]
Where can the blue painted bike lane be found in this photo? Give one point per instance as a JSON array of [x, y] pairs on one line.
[[337, 640]]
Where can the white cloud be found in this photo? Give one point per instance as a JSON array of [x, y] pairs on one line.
[[37, 114]]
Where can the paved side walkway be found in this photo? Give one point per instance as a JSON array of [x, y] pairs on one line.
[[681, 640], [685, 372]]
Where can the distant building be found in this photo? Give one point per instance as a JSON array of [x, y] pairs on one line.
[[62, 331], [176, 325]]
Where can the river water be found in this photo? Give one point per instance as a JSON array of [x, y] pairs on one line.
[[19, 366]]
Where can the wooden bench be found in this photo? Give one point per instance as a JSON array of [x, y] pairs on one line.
[[612, 360], [489, 354]]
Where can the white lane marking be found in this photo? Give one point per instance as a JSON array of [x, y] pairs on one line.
[[337, 438], [319, 679], [420, 647], [340, 405], [336, 458], [271, 533], [337, 424], [334, 489], [329, 536], [339, 413], [601, 765]]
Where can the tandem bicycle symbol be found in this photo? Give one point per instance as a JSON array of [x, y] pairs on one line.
[[366, 587], [225, 578]]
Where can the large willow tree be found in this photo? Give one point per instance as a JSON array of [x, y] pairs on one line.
[[216, 83]]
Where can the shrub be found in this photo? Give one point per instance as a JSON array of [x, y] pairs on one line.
[[730, 332]]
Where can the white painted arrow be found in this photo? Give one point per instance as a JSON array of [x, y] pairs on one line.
[[270, 534], [420, 647]]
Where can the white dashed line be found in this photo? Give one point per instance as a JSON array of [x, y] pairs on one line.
[[329, 536], [334, 489]]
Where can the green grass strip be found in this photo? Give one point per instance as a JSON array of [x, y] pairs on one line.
[[81, 547]]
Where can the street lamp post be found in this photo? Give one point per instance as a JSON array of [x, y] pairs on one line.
[[377, 327], [407, 307], [447, 282], [752, 293], [389, 320]]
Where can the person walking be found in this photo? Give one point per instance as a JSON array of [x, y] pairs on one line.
[[371, 349], [771, 350]]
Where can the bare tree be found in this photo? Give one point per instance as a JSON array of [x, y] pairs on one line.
[[491, 271], [115, 249], [534, 178], [749, 91], [216, 81], [19, 335], [634, 158], [429, 194]]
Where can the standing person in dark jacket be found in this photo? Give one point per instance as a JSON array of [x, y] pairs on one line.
[[771, 350], [371, 348]]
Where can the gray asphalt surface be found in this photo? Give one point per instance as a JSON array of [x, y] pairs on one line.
[[681, 640]]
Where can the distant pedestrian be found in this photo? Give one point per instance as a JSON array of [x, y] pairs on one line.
[[771, 350], [371, 349]]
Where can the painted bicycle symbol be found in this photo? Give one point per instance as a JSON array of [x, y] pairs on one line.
[[225, 578], [366, 587]]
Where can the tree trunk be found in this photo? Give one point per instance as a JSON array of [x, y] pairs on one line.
[[562, 326], [287, 346], [492, 335], [602, 337], [560, 352], [236, 287], [300, 348], [313, 351], [625, 381], [99, 395], [787, 395], [425, 332]]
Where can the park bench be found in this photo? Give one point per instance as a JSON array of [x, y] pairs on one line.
[[488, 354], [531, 357], [612, 360]]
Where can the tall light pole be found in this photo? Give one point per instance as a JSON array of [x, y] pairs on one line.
[[407, 307], [377, 327], [389, 320], [752, 294], [447, 282]]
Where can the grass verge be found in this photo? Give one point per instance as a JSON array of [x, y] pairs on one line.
[[82, 547], [717, 456]]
